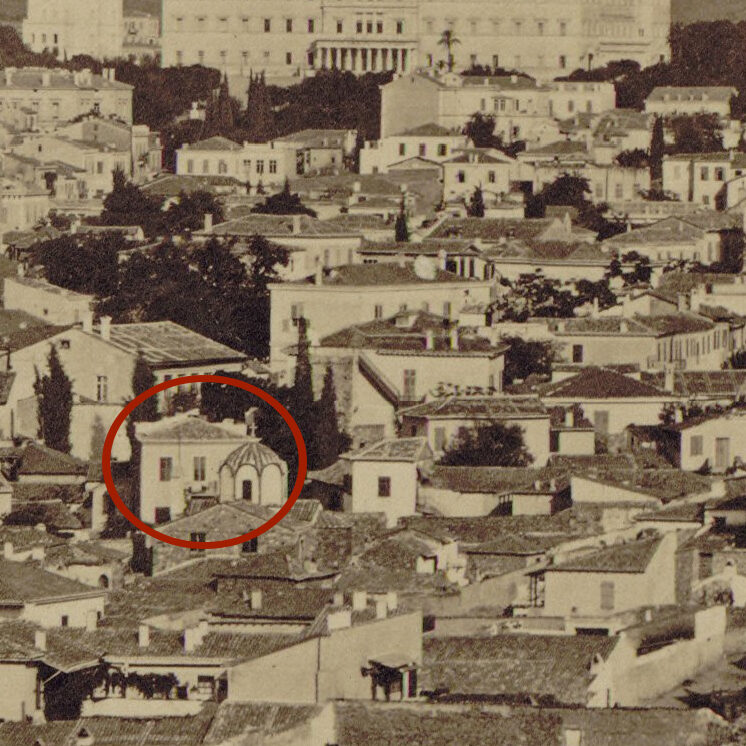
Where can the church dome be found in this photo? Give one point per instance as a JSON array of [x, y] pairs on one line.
[[253, 454]]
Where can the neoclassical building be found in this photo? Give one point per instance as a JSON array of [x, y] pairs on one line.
[[188, 464], [545, 38]]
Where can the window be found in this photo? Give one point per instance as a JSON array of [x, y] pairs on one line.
[[162, 515], [400, 27], [64, 343], [577, 353], [491, 177], [563, 61], [695, 445], [384, 486], [442, 150], [289, 25], [165, 469], [369, 27], [206, 685], [247, 490], [563, 28], [359, 27], [267, 25], [251, 546], [461, 177], [607, 595], [402, 148], [311, 26], [200, 468], [423, 150], [719, 174], [260, 167], [197, 536], [495, 61], [410, 379], [64, 620], [704, 173], [618, 191], [540, 28], [379, 27], [447, 309], [378, 312], [554, 441], [222, 167], [340, 27], [439, 439], [102, 388]]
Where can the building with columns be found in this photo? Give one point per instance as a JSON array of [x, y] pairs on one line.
[[294, 37], [70, 27]]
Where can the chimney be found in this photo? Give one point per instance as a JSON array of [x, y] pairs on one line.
[[682, 302], [359, 600], [113, 74], [319, 275], [9, 75], [40, 639], [105, 327], [38, 554], [250, 420], [595, 309], [84, 738], [46, 78], [339, 619], [627, 306], [568, 418], [392, 599], [537, 485], [87, 321], [207, 222], [7, 550], [256, 599], [296, 224], [382, 608], [453, 334], [442, 259], [357, 187], [338, 599], [668, 379], [143, 636], [624, 326], [429, 339], [91, 621], [567, 224]]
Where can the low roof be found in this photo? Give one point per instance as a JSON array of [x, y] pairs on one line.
[[600, 383], [281, 226], [165, 344], [215, 143], [479, 407], [692, 93], [21, 582], [633, 557], [36, 459], [354, 275], [189, 427], [393, 449]]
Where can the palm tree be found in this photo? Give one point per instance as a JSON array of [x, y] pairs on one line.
[[449, 40]]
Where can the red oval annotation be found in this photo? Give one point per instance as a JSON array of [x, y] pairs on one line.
[[149, 530]]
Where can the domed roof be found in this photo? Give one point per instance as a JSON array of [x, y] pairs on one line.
[[255, 454]]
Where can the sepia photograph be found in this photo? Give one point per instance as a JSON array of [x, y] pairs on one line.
[[372, 373]]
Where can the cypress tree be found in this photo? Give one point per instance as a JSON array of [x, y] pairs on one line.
[[328, 440], [475, 208], [54, 397], [401, 228], [225, 123], [302, 395], [657, 149], [142, 380]]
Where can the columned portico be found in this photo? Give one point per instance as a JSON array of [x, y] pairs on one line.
[[359, 57]]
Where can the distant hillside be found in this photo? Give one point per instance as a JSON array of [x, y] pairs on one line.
[[15, 10], [689, 11]]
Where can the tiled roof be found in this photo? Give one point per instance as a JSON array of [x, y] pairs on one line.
[[512, 665], [559, 148], [498, 479], [318, 138], [283, 602], [215, 143], [281, 226], [678, 511], [234, 719], [671, 230], [36, 492], [188, 427], [26, 581], [171, 185], [481, 407], [714, 383], [692, 93], [479, 156], [600, 383], [409, 335], [492, 228], [633, 557], [680, 323], [384, 724], [33, 78], [352, 275], [165, 343], [394, 449], [38, 460]]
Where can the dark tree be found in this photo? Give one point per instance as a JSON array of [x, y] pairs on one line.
[[657, 151], [637, 158], [696, 134], [480, 129], [302, 399], [258, 119], [329, 440], [488, 445], [401, 226], [188, 212], [54, 398], [80, 263], [525, 358], [284, 203], [475, 208], [127, 204]]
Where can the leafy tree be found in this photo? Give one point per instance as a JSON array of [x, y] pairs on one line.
[[657, 150], [696, 134], [525, 358], [401, 226], [85, 264], [127, 204], [54, 398], [284, 203], [448, 40], [329, 440], [188, 212], [475, 208], [494, 444], [636, 158], [480, 129]]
